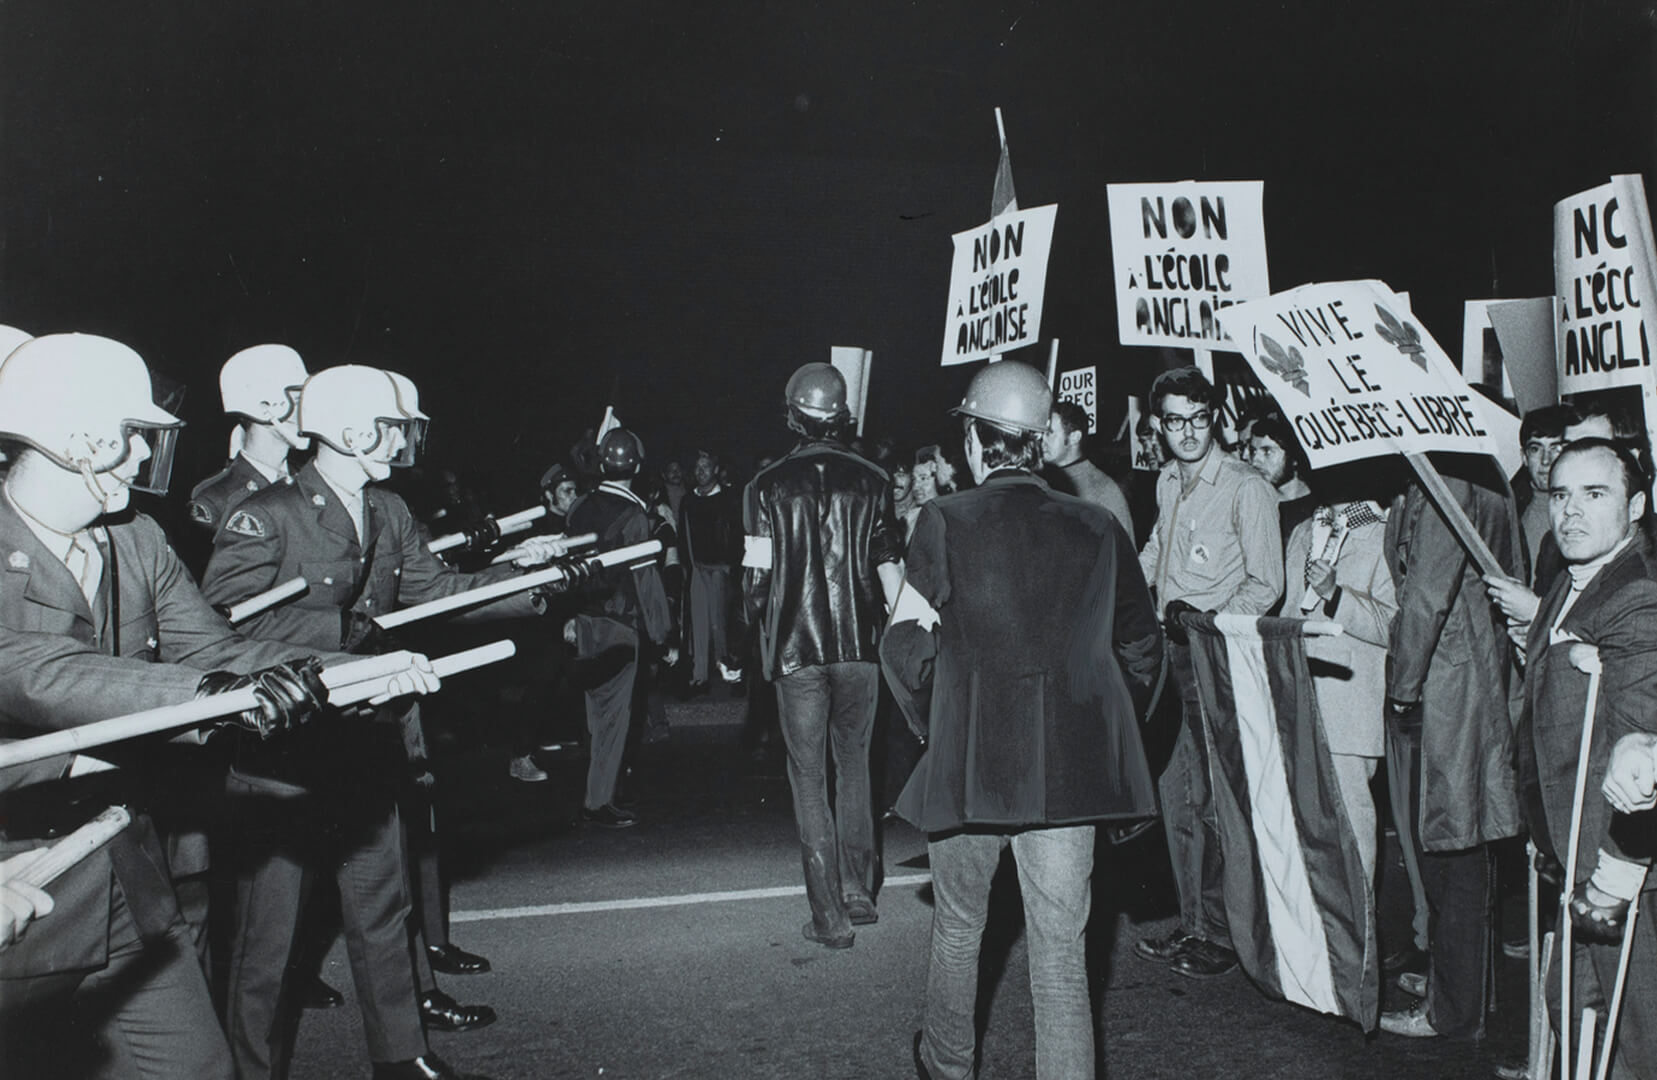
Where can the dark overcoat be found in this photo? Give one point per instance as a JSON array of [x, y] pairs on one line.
[[1450, 652], [1026, 688]]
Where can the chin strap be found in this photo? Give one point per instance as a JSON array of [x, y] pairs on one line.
[[106, 499]]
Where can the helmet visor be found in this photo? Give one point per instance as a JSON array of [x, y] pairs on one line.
[[411, 438], [155, 471]]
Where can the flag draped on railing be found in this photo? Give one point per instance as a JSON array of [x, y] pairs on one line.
[[1296, 897]]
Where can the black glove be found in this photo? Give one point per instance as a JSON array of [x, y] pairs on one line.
[[1598, 922], [1170, 620], [483, 535], [577, 572], [287, 694]]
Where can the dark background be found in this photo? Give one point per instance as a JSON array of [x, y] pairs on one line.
[[538, 209]]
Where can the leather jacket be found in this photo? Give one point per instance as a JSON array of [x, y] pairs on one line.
[[816, 525]]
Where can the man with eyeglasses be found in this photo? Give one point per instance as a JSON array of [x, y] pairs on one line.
[[1216, 546]]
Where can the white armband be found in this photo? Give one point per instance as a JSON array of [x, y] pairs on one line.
[[756, 552], [1618, 877], [913, 607]]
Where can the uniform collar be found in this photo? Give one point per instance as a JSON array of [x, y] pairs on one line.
[[622, 490]]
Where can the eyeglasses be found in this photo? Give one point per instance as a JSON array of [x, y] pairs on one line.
[[1175, 424]]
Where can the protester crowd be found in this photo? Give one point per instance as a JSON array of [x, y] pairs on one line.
[[1020, 619]]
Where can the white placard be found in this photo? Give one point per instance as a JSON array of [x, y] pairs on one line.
[[1356, 375], [996, 285], [1181, 253]]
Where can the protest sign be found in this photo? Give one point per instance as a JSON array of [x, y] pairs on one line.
[[996, 285], [853, 364], [1600, 338], [1181, 254], [1355, 374], [1081, 386]]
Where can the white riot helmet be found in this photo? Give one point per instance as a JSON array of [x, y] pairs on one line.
[[79, 399], [408, 398], [262, 383], [10, 338], [353, 409]]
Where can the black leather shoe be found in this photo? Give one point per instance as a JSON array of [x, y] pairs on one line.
[[921, 1070], [828, 941], [861, 911], [319, 995], [443, 1013], [609, 817], [451, 959], [1204, 960], [1166, 949], [429, 1067]]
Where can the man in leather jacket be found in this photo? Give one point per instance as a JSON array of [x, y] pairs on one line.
[[820, 548]]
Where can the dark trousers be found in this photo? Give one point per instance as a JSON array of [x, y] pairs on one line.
[[150, 1002], [283, 841], [1460, 890], [1594, 976], [1188, 814], [831, 708], [614, 647]]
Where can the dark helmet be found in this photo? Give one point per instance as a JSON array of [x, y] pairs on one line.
[[620, 453], [818, 391], [1009, 395]]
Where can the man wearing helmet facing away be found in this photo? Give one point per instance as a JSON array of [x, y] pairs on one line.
[[1022, 645], [330, 798], [613, 614], [819, 551], [98, 619]]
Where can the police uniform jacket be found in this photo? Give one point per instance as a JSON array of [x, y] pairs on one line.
[[1028, 688], [301, 529], [146, 643], [635, 597], [215, 498]]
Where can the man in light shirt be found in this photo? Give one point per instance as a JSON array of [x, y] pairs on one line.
[[1217, 546]]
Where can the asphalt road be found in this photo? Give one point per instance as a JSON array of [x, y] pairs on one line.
[[673, 949]]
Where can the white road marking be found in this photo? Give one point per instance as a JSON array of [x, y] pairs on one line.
[[632, 903]]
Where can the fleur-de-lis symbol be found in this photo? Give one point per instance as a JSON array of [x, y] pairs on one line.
[[1286, 364], [1401, 335]]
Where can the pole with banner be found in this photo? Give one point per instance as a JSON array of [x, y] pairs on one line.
[[998, 275], [1053, 363]]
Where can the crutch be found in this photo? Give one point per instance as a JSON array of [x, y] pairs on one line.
[[1583, 658], [1615, 1011], [1538, 997]]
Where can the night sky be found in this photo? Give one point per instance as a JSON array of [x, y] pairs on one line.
[[539, 209]]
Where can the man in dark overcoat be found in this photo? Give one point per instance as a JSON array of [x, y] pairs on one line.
[[1022, 635]]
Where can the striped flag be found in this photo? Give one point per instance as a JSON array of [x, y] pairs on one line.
[[1296, 898]]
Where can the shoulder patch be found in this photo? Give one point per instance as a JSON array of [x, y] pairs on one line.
[[200, 511], [243, 523]]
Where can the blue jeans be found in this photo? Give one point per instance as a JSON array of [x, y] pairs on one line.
[[1054, 870], [832, 707]]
